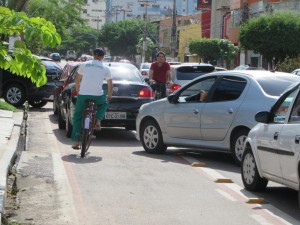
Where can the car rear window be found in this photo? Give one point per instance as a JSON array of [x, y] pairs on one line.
[[146, 66], [272, 87], [191, 72], [53, 70], [124, 73]]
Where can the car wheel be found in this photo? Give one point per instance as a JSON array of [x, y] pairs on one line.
[[55, 108], [14, 94], [250, 176], [237, 145], [37, 103], [69, 127], [61, 122], [151, 137]]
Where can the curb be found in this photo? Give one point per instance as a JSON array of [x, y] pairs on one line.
[[12, 150]]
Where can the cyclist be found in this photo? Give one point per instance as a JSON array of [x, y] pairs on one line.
[[88, 83], [160, 74]]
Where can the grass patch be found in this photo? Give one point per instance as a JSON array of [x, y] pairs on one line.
[[8, 107]]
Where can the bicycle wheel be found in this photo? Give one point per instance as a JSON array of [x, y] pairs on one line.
[[86, 135], [85, 142]]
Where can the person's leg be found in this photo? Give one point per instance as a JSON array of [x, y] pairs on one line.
[[77, 118], [101, 107], [162, 90]]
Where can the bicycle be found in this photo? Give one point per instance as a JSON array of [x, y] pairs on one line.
[[157, 86], [88, 126]]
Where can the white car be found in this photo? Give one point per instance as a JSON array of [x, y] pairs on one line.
[[221, 122], [272, 149], [296, 72], [144, 68]]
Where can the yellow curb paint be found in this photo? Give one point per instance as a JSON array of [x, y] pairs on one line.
[[198, 164], [223, 180], [256, 201]]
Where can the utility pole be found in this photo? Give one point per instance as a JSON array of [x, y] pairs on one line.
[[145, 31], [173, 35]]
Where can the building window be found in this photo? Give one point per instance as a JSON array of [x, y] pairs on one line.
[[84, 10]]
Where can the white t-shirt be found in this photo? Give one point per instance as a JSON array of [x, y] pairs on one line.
[[93, 73]]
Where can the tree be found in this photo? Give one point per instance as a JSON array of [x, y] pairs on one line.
[[227, 51], [207, 49], [122, 37], [16, 5], [21, 61], [273, 36], [150, 46]]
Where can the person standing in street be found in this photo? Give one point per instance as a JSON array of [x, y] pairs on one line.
[[160, 74], [88, 83]]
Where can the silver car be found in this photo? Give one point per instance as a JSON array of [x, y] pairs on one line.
[[221, 122]]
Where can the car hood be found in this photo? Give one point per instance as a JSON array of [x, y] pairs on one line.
[[154, 108]]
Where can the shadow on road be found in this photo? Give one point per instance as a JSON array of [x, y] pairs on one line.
[[75, 158]]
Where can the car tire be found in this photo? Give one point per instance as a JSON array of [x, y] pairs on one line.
[[37, 103], [55, 108], [237, 145], [61, 122], [250, 176], [151, 137], [14, 94], [69, 127]]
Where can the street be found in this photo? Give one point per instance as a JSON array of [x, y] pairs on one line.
[[119, 183]]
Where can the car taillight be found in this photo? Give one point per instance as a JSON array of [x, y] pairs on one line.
[[174, 87], [144, 73], [75, 93], [145, 93]]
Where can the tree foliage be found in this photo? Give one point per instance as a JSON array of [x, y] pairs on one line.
[[122, 37], [272, 35], [210, 50], [149, 49], [21, 61]]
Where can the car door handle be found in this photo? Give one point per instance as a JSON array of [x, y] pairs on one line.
[[230, 111], [297, 139], [276, 135], [195, 111]]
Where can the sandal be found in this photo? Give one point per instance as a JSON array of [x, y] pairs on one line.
[[76, 146]]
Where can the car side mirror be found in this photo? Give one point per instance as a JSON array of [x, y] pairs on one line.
[[172, 99], [262, 117]]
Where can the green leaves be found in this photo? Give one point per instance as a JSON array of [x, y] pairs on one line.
[[273, 35], [21, 62]]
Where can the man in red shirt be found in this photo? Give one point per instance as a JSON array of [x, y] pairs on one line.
[[160, 72]]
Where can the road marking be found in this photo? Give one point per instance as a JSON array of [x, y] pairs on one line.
[[226, 195]]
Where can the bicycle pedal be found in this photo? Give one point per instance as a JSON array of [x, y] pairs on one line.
[[93, 136]]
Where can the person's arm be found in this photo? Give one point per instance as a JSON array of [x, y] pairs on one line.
[[150, 74], [169, 76], [109, 89], [77, 82]]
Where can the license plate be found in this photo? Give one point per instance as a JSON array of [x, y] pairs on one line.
[[115, 115]]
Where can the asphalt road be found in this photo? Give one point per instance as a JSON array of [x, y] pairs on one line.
[[118, 183]]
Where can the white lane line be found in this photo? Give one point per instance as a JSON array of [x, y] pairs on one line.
[[226, 195]]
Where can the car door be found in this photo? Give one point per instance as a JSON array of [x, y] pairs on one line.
[[289, 142], [270, 141], [183, 118], [223, 103]]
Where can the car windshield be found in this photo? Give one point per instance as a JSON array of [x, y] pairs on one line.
[[191, 72], [146, 66], [53, 70], [273, 87], [123, 73]]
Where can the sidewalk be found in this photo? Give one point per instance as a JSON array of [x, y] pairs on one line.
[[10, 131]]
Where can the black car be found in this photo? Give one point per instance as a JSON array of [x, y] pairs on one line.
[[17, 89], [55, 56], [130, 91]]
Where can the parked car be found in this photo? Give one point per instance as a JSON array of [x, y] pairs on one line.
[[217, 68], [85, 57], [144, 68], [130, 91], [55, 56], [221, 122], [272, 148], [71, 55], [296, 72], [17, 89], [60, 84], [185, 72]]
